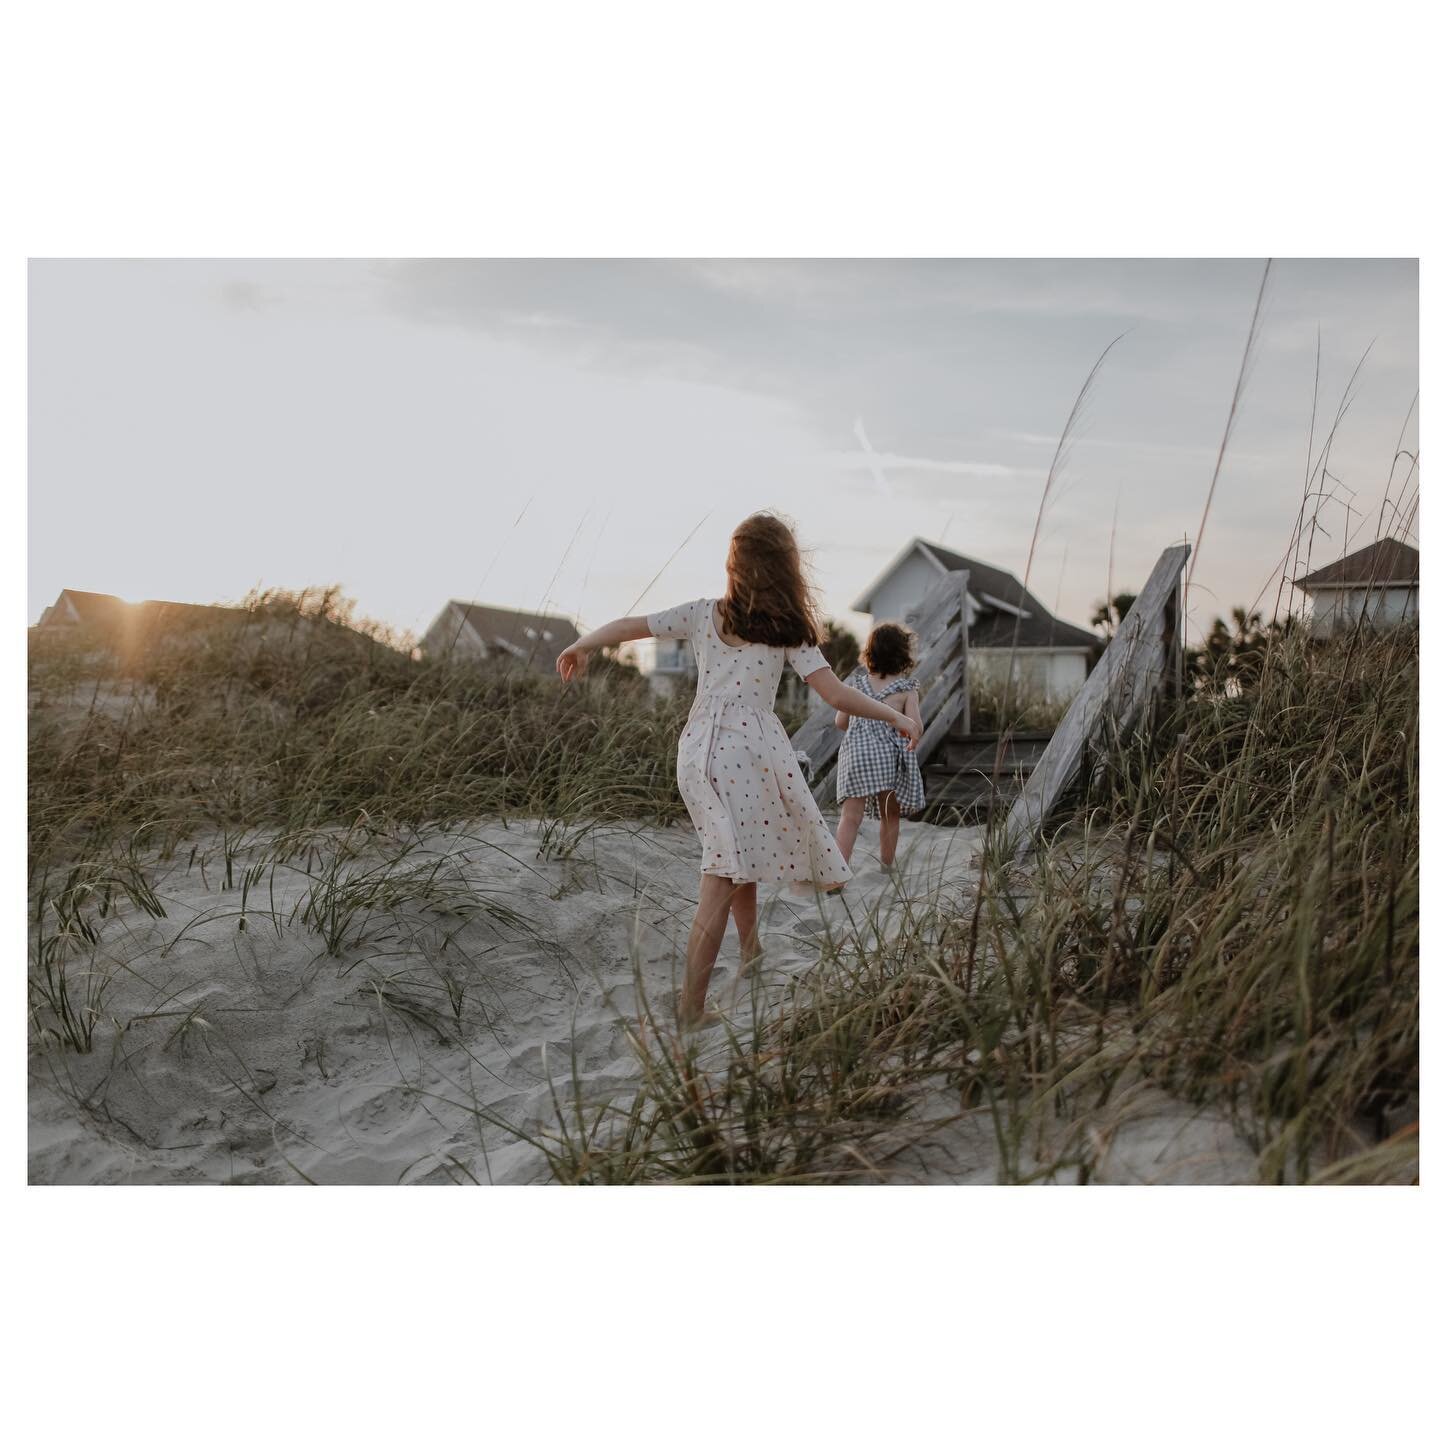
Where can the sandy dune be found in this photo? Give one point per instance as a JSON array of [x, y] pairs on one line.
[[504, 961]]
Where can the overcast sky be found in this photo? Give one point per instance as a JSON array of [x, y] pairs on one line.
[[544, 434]]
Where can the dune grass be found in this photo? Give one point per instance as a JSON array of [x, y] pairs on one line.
[[997, 706], [265, 736], [1229, 914], [284, 715]]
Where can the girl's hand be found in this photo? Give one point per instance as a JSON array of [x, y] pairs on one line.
[[912, 709], [571, 661], [908, 726]]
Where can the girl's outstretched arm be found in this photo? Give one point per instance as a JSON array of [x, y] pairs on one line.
[[572, 660], [912, 708], [847, 698]]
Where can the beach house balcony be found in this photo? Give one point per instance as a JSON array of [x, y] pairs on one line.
[[667, 664]]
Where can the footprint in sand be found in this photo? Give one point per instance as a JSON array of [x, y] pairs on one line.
[[809, 929]]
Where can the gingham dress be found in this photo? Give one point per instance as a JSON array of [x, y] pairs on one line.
[[738, 774], [875, 757]]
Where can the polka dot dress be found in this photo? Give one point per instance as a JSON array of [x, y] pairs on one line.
[[738, 775]]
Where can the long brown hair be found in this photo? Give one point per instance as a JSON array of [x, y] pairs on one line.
[[767, 600]]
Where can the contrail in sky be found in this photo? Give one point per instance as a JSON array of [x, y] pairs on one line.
[[882, 482]]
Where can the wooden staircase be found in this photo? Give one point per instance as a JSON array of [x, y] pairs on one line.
[[964, 782], [1027, 772]]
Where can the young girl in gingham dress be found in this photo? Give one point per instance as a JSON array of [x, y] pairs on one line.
[[877, 777]]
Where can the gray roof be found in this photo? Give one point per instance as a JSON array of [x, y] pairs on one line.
[[995, 628], [91, 607], [985, 579], [96, 609], [1386, 562], [522, 634]]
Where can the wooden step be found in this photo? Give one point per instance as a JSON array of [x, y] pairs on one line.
[[985, 765], [967, 798], [973, 774], [979, 751]]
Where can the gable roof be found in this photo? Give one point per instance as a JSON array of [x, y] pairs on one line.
[[89, 607], [1386, 562], [996, 630], [537, 639], [986, 580], [998, 595]]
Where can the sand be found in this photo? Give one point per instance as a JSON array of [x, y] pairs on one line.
[[247, 1053]]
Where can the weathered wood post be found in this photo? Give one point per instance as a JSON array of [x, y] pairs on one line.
[[1174, 641], [1142, 663]]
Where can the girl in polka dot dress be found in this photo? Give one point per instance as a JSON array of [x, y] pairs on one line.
[[738, 775]]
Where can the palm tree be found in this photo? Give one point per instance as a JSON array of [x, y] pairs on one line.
[[1108, 614], [840, 649], [1231, 657]]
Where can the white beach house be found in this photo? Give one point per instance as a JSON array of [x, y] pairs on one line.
[[666, 664], [1051, 655], [1377, 586]]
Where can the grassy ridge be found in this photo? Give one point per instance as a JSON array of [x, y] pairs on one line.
[[1230, 914], [1244, 884], [288, 715]]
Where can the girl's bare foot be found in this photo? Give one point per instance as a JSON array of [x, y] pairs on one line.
[[702, 1021]]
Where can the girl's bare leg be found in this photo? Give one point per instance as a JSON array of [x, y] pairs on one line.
[[889, 827], [706, 933], [852, 812], [744, 908]]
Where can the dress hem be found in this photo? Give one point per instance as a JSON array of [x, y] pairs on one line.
[[884, 790], [805, 885]]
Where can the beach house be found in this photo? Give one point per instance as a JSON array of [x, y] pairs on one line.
[[76, 608], [1051, 656], [1377, 586], [127, 626], [483, 632], [667, 664]]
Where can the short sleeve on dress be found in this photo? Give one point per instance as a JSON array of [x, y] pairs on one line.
[[676, 624], [805, 660]]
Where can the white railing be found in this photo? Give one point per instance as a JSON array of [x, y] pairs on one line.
[[680, 661]]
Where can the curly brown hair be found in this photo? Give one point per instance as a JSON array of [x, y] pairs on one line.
[[767, 600], [889, 649]]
